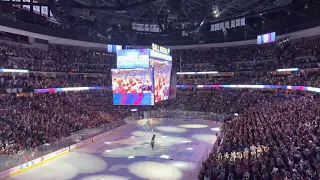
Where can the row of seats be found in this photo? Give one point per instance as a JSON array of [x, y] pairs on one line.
[[297, 78], [38, 82]]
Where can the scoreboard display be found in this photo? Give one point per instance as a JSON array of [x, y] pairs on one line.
[[142, 77]]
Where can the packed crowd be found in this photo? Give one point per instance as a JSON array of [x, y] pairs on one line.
[[299, 53], [222, 101], [276, 138], [43, 118], [72, 60], [229, 54], [56, 59]]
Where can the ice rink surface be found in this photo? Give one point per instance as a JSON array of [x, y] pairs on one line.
[[180, 147]]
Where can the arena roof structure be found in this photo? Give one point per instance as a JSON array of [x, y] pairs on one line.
[[151, 11], [126, 12], [160, 19]]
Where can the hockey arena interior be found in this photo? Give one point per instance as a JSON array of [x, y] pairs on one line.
[[159, 90]]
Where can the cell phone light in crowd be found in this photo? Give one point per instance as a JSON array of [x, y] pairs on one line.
[[289, 69], [130, 157], [236, 114], [107, 142]]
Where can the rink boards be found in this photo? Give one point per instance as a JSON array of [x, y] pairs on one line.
[[43, 159]]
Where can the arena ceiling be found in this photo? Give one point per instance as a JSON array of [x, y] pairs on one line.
[[150, 11], [125, 12], [114, 18]]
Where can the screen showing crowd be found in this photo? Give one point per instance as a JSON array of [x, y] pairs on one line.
[[266, 38], [132, 86], [162, 76]]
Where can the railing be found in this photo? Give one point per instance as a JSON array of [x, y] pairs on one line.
[[12, 160]]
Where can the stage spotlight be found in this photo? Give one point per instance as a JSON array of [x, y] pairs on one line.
[[193, 126], [164, 157], [171, 129], [179, 164], [208, 138], [216, 129], [130, 157], [215, 11], [113, 177], [155, 170], [186, 141]]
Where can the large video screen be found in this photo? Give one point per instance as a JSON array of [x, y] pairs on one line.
[[133, 58], [162, 77], [266, 38], [132, 86]]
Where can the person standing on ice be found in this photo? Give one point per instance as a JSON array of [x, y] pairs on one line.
[[153, 141]]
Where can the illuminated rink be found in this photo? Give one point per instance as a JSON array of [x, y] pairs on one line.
[[180, 148]]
